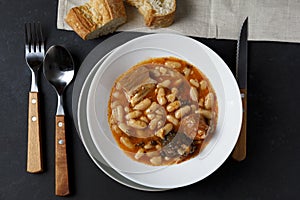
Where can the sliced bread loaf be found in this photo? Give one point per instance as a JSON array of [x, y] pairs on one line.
[[96, 18]]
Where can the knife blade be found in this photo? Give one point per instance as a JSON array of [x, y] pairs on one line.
[[239, 152]]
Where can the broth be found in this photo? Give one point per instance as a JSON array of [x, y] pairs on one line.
[[161, 110]]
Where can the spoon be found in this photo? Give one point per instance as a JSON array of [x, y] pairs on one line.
[[59, 71]]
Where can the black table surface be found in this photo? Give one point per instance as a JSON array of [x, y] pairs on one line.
[[270, 171]]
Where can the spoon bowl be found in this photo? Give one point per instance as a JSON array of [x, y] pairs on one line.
[[58, 67]]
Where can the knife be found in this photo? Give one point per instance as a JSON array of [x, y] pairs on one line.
[[239, 152]]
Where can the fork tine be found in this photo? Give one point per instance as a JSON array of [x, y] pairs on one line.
[[34, 37], [31, 38], [27, 45], [26, 34], [41, 42], [37, 41]]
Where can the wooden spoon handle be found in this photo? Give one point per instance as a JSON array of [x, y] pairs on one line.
[[34, 150], [61, 165], [239, 152]]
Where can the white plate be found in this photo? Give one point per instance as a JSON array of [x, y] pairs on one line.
[[88, 142], [229, 102]]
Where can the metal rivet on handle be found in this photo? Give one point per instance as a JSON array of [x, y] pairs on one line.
[[33, 118], [60, 124], [33, 101], [60, 141]]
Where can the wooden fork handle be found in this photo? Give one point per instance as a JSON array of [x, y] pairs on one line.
[[239, 152], [61, 165], [34, 149]]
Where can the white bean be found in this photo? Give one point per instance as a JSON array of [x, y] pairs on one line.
[[160, 133], [209, 100], [201, 102], [160, 123], [168, 127], [114, 115], [201, 134], [173, 106], [118, 86], [148, 146], [203, 85], [161, 96], [181, 112], [153, 122], [133, 114], [144, 118], [178, 82], [118, 113], [124, 128], [143, 105], [180, 151], [156, 73], [154, 106], [114, 104], [194, 108], [167, 158], [194, 94], [138, 124], [151, 116], [172, 74], [160, 111], [186, 71], [172, 119], [139, 154], [164, 130], [156, 160], [165, 83], [126, 109], [163, 70], [126, 142], [116, 129], [206, 113], [171, 97], [173, 64], [116, 94], [174, 91], [194, 82]]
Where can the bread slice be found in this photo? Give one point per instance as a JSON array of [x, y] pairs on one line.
[[157, 13], [96, 18]]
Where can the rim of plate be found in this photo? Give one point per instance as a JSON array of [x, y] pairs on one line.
[[218, 153]]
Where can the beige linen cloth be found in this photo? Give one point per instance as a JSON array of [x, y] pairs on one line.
[[269, 20]]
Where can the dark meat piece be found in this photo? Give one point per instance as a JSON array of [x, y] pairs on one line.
[[176, 145], [193, 126], [137, 84]]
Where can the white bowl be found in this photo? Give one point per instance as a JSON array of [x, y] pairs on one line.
[[229, 113]]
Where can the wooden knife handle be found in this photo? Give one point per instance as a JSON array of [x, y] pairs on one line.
[[34, 149], [61, 165], [239, 152]]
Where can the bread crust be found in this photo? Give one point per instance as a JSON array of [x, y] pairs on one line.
[[151, 17], [96, 15], [157, 21]]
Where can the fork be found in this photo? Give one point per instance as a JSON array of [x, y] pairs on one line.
[[34, 55]]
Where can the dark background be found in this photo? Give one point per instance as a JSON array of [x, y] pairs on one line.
[[270, 171]]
